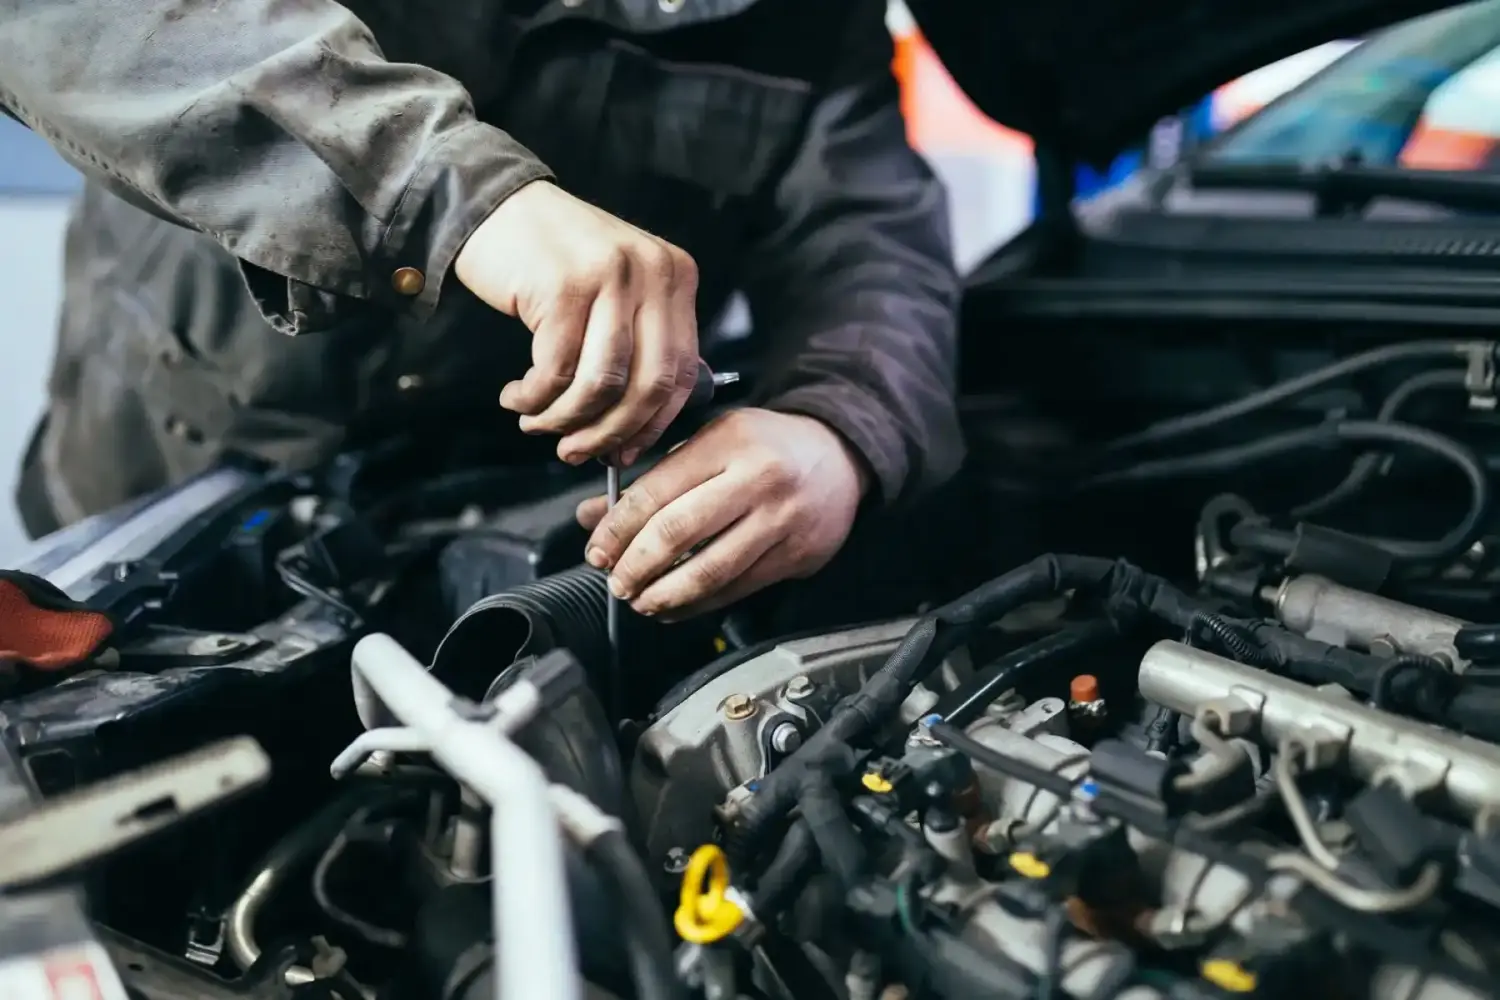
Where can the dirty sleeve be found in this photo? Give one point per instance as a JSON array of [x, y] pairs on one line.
[[854, 280], [336, 178]]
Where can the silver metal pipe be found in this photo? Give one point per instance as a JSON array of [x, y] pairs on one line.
[[1464, 773], [1321, 609], [373, 741], [535, 953], [239, 925]]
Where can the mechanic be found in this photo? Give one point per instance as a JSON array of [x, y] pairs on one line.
[[303, 221]]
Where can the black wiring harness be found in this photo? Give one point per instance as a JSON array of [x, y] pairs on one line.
[[797, 821], [1114, 464]]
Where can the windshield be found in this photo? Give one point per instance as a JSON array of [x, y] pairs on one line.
[[1424, 95]]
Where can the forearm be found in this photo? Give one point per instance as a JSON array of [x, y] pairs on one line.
[[859, 291], [274, 126]]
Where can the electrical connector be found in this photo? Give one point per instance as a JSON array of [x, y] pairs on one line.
[[1399, 840]]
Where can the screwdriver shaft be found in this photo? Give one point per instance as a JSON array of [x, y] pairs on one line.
[[703, 394], [612, 604]]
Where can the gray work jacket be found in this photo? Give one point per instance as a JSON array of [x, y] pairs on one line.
[[260, 263]]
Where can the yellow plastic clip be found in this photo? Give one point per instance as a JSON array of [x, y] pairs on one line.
[[1231, 977], [1029, 865], [705, 913]]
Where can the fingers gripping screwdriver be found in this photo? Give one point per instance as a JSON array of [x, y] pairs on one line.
[[707, 384]]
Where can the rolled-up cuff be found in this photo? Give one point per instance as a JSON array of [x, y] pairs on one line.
[[458, 184]]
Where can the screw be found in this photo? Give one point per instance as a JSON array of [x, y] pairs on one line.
[[676, 862], [799, 687], [738, 706], [785, 738]]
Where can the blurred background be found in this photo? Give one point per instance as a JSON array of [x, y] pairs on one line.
[[988, 170]]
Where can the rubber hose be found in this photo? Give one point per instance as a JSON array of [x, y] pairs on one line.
[[1476, 711], [1478, 643], [793, 864], [300, 846], [1420, 682], [573, 741], [1283, 392], [1328, 436], [1055, 782], [648, 944], [1238, 646], [1368, 466], [1124, 588], [969, 700], [563, 611], [452, 953], [838, 841]]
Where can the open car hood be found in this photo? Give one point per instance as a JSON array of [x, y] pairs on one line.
[[1086, 79]]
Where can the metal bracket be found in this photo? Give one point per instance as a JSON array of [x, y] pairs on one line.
[[68, 831], [1480, 377]]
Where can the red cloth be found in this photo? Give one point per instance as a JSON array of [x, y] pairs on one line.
[[42, 628]]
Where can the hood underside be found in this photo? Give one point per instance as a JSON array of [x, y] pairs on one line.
[[1086, 79]]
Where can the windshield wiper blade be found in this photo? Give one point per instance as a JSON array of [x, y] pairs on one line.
[[1344, 187]]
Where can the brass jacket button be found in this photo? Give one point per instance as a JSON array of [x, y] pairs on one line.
[[408, 281], [181, 429]]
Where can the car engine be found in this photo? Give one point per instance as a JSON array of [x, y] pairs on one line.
[[1274, 774]]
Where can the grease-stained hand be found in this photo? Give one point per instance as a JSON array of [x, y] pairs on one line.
[[612, 312], [762, 496]]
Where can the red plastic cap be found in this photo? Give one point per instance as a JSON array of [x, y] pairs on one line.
[[1084, 687]]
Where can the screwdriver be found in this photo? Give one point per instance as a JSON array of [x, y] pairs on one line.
[[707, 384]]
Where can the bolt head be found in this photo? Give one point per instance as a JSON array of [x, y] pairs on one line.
[[799, 687], [676, 861], [739, 706], [785, 738]]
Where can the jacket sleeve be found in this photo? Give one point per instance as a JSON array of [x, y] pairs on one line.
[[275, 127], [856, 283]]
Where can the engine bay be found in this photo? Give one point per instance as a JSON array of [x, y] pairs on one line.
[[1266, 763]]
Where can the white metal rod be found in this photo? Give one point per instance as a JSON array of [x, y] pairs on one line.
[[535, 953]]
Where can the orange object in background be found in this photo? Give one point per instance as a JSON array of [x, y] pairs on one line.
[[1431, 148], [940, 118], [987, 169]]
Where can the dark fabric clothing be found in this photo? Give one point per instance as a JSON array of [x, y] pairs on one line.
[[258, 172], [32, 502]]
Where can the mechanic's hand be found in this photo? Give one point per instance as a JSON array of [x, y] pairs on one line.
[[772, 494], [612, 314]]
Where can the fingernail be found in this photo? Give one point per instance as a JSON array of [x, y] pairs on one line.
[[645, 610], [617, 587], [595, 557], [629, 457], [575, 458]]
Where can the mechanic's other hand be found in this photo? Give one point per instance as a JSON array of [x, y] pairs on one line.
[[612, 314], [768, 496]]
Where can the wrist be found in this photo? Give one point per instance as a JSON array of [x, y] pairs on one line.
[[843, 452], [469, 264]]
